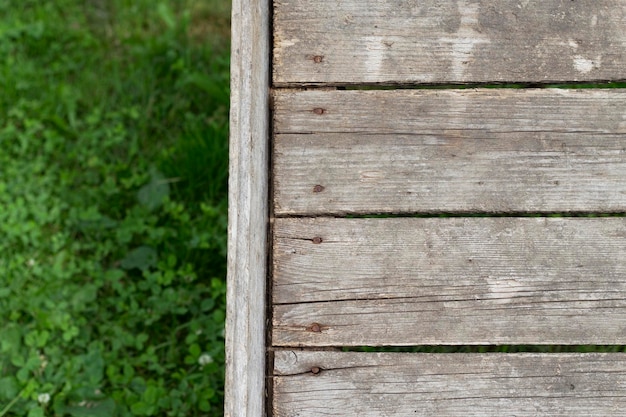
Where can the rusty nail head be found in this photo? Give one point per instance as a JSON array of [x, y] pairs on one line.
[[317, 240], [318, 58], [319, 110], [315, 370], [318, 188], [315, 327]]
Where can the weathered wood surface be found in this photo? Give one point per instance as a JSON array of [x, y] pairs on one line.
[[248, 210], [451, 41], [487, 150], [413, 281], [448, 385]]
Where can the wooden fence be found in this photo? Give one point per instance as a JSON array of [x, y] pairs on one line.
[[400, 176]]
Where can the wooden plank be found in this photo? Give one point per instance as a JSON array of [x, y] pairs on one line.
[[448, 385], [450, 41], [488, 150], [244, 394], [414, 281]]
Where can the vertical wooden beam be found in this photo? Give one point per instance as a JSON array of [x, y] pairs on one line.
[[248, 209]]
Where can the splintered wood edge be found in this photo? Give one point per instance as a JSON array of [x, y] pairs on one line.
[[248, 209]]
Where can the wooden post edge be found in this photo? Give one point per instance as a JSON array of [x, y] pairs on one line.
[[248, 209]]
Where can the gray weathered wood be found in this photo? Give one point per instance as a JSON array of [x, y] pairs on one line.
[[412, 281], [248, 210], [450, 41], [487, 150], [448, 385]]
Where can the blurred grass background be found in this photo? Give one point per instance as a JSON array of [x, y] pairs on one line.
[[113, 196]]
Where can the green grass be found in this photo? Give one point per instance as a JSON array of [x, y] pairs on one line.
[[113, 165]]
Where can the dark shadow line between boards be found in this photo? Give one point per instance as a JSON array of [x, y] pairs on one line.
[[489, 349]]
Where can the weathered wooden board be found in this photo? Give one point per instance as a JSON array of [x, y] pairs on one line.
[[244, 394], [413, 281], [487, 150], [450, 41], [448, 385]]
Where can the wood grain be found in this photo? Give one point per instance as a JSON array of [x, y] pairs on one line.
[[487, 150], [414, 281], [244, 394], [448, 385], [451, 41]]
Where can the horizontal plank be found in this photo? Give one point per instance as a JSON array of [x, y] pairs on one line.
[[451, 41], [487, 150], [448, 385], [412, 281]]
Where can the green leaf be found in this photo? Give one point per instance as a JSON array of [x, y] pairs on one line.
[[10, 341], [142, 409], [70, 333], [85, 295], [36, 412], [195, 350], [8, 388], [142, 258], [207, 304], [140, 340], [166, 14], [204, 405], [151, 395], [154, 193], [114, 274], [94, 367]]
